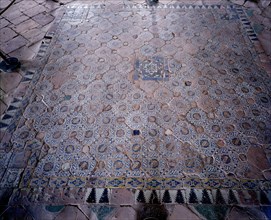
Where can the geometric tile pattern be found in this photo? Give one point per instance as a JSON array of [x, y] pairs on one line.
[[98, 196], [170, 84], [151, 183], [11, 117], [199, 196], [184, 196]]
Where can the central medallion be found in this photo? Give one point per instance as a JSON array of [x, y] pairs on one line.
[[154, 68]]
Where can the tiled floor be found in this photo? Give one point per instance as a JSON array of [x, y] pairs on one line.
[[131, 110]]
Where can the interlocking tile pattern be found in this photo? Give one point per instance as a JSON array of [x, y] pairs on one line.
[[186, 77]]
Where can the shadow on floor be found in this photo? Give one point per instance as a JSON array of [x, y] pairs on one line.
[[152, 212]]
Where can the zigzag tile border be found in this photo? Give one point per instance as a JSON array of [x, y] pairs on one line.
[[14, 111], [74, 7], [105, 195], [204, 196], [247, 24], [176, 6], [10, 118], [97, 195], [71, 9]]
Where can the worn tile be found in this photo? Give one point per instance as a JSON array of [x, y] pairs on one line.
[[102, 212], [9, 81], [19, 20], [4, 22], [181, 212], [43, 211], [211, 212], [43, 18], [257, 157], [12, 14], [31, 12], [87, 210], [25, 26], [123, 213], [71, 212], [122, 197], [6, 34], [23, 6], [265, 38], [24, 53], [14, 44]]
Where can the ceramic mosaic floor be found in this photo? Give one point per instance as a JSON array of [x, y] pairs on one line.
[[169, 98]]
